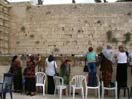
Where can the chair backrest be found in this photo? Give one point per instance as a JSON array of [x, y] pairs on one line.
[[97, 79], [112, 85], [58, 80], [7, 81], [78, 80], [40, 78]]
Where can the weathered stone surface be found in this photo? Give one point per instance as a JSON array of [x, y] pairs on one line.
[[71, 28]]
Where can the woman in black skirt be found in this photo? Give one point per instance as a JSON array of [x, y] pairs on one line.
[[50, 71], [121, 75]]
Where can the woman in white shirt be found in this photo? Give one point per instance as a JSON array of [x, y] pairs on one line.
[[50, 71], [121, 75]]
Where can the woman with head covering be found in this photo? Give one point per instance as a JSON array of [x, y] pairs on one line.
[[50, 71], [65, 71], [106, 65], [16, 70], [29, 75], [121, 74]]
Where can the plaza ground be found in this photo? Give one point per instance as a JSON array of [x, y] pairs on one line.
[[39, 96]]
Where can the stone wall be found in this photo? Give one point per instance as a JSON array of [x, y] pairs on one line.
[[68, 29], [4, 27]]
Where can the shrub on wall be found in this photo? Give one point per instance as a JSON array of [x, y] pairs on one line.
[[127, 37], [28, 7], [109, 35]]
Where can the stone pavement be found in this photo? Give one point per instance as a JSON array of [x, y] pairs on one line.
[[39, 96]]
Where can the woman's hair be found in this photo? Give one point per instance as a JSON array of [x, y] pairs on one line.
[[121, 48], [14, 58], [65, 62], [90, 49], [50, 58]]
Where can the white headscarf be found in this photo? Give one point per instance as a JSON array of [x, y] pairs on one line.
[[108, 53]]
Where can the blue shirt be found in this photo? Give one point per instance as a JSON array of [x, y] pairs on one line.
[[91, 56]]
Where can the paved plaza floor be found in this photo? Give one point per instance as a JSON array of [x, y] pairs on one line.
[[39, 96]]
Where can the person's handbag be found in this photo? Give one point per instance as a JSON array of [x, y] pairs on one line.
[[56, 73], [85, 69]]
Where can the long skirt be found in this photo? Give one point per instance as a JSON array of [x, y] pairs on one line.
[[17, 82], [30, 84], [106, 77], [51, 85], [121, 75], [106, 70]]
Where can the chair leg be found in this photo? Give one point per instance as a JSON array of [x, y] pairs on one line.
[[70, 90], [102, 93], [116, 93], [99, 93], [86, 93], [60, 93], [54, 93], [82, 93], [43, 91], [73, 93]]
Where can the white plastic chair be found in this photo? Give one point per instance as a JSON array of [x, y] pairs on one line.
[[77, 82], [114, 88], [95, 87], [41, 80], [59, 85]]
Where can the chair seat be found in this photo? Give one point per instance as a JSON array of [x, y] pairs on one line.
[[39, 84], [109, 88], [77, 87], [89, 87], [61, 87]]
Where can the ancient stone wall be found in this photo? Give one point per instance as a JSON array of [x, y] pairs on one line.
[[4, 27], [69, 29]]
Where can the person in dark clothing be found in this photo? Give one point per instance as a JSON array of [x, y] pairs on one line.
[[121, 74], [16, 70], [65, 71], [29, 75]]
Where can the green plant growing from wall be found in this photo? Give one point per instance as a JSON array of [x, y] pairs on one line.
[[127, 37], [114, 40], [109, 35], [23, 29], [28, 7]]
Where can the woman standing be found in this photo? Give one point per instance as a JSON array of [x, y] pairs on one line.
[[91, 63], [121, 75], [106, 65], [16, 70], [50, 71], [65, 71], [29, 75]]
